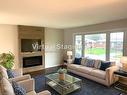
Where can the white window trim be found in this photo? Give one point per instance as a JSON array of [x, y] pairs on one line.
[[107, 41]]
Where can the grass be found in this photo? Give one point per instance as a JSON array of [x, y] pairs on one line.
[[101, 51], [97, 51]]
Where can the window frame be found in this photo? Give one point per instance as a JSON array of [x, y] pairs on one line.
[[107, 41], [123, 43], [75, 44]]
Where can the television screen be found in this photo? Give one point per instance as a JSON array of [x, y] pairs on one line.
[[30, 45]]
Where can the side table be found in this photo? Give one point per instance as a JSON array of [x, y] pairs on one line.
[[122, 83]]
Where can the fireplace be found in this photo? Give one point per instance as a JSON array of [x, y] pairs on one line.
[[32, 61]]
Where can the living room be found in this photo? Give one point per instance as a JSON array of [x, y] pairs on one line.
[[58, 50]]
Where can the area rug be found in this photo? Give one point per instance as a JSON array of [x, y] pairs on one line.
[[88, 87]]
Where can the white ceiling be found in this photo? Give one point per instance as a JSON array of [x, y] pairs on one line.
[[61, 13]]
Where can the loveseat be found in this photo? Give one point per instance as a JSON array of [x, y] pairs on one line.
[[105, 77], [6, 87], [24, 80]]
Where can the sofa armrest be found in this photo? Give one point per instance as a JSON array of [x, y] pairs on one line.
[[18, 72], [110, 74], [20, 78], [46, 92], [28, 85]]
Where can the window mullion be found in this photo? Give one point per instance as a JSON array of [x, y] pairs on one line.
[[125, 44], [108, 46], [83, 45]]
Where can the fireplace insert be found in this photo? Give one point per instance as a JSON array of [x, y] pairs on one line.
[[32, 61]]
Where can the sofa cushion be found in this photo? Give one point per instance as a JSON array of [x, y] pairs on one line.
[[6, 87], [84, 69], [98, 73], [77, 61], [3, 72], [90, 62], [31, 93], [104, 65], [80, 68], [18, 90], [73, 66]]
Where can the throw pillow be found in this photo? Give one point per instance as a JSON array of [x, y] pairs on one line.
[[83, 61], [90, 62], [104, 65], [10, 73], [77, 61], [97, 64], [18, 90]]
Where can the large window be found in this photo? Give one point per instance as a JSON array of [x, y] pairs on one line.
[[95, 46], [116, 46]]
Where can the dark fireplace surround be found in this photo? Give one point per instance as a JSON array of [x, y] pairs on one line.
[[32, 61]]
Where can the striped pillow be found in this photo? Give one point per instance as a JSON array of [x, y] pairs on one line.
[[97, 63], [90, 63]]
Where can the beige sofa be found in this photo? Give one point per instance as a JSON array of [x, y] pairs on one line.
[[29, 85], [106, 77]]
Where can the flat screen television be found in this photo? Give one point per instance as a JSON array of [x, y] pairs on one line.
[[30, 45]]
